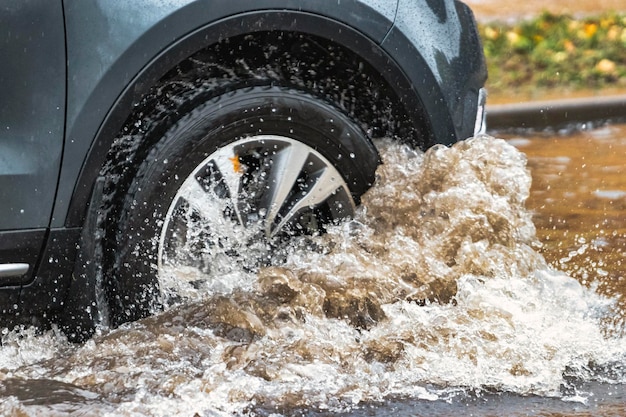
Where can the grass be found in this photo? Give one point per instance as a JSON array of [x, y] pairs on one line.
[[556, 54]]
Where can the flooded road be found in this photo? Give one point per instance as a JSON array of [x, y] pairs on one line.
[[578, 200], [482, 279]]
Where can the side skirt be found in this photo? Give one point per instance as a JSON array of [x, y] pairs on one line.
[[28, 298]]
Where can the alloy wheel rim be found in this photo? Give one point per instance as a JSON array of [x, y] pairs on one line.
[[239, 204]]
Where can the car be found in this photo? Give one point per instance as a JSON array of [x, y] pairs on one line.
[[143, 137]]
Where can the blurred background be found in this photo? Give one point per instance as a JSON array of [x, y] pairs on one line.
[[556, 49], [494, 9]]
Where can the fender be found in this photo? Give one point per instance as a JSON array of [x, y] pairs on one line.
[[446, 59], [133, 44], [101, 113]]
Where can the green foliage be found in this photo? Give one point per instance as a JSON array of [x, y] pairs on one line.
[[556, 52]]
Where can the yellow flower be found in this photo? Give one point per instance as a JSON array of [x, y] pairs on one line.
[[613, 33], [607, 22], [590, 29], [559, 56], [606, 66], [512, 37], [491, 33]]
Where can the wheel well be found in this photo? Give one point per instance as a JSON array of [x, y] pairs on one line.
[[301, 61], [296, 60], [310, 63]]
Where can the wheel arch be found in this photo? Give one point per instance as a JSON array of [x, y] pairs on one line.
[[334, 32]]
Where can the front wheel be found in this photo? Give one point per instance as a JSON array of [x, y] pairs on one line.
[[228, 184]]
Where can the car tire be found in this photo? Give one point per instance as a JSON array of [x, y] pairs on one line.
[[239, 173]]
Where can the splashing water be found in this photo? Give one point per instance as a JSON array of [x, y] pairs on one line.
[[434, 288]]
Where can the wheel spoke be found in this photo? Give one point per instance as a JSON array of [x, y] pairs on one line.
[[263, 183], [325, 184], [200, 201], [287, 164]]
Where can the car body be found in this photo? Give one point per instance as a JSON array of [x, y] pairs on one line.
[[76, 74]]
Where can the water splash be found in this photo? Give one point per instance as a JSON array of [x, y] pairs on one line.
[[434, 288]]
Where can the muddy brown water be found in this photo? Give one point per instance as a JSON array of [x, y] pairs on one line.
[[482, 279], [579, 203]]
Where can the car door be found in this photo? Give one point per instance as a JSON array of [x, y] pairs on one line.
[[32, 109]]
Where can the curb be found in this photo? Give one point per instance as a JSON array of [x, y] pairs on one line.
[[556, 114]]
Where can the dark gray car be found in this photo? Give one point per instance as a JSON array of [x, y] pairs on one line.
[[137, 137]]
